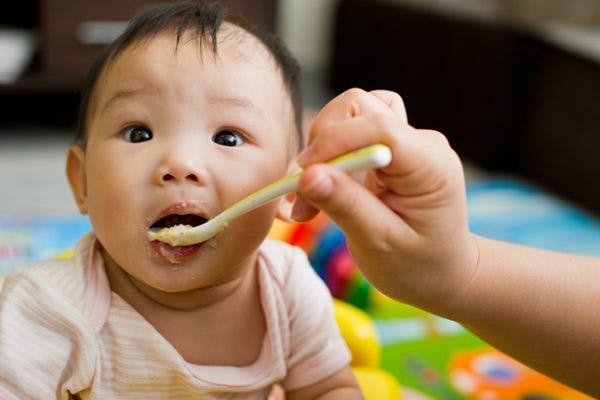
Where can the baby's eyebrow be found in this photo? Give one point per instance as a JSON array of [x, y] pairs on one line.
[[125, 93], [240, 102]]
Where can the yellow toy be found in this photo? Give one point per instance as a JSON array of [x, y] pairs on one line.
[[64, 255], [358, 331], [376, 383]]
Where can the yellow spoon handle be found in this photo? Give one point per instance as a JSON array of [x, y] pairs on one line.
[[375, 156]]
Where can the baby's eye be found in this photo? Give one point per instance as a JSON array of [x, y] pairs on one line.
[[137, 134], [228, 138]]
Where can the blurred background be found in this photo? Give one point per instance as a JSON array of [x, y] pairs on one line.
[[514, 84]]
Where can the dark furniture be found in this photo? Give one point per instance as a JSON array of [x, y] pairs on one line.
[[71, 35], [508, 100]]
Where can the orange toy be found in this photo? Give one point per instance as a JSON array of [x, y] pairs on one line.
[[489, 374]]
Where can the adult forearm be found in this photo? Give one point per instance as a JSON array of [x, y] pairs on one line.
[[541, 307], [342, 394]]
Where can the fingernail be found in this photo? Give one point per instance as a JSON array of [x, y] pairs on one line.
[[296, 213], [300, 211]]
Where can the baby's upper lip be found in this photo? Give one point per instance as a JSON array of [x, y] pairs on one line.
[[182, 212], [181, 208]]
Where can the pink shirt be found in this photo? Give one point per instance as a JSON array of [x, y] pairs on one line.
[[63, 331]]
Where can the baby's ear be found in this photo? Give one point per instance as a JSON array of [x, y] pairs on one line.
[[77, 177]]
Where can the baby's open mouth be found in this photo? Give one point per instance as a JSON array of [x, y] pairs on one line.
[[175, 253], [176, 219]]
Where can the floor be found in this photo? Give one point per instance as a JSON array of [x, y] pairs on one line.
[[32, 163]]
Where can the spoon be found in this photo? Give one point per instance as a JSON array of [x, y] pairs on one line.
[[374, 156]]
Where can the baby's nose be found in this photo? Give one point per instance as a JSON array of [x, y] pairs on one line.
[[180, 177], [177, 169]]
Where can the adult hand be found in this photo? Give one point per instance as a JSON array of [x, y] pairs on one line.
[[406, 224]]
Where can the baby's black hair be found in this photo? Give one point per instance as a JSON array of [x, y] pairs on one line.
[[204, 19]]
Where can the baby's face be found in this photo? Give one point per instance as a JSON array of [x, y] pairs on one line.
[[182, 132]]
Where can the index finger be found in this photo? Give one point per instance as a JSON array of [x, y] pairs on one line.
[[354, 119], [354, 103], [393, 101]]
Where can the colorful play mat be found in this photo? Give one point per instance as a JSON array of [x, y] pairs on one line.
[[430, 356]]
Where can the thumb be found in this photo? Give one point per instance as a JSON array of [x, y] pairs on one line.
[[356, 210]]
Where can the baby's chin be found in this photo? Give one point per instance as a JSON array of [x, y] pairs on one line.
[[174, 283]]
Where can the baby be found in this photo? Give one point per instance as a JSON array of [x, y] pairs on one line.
[[188, 111]]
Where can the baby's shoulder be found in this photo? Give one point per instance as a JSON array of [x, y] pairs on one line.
[[285, 252], [283, 258], [38, 305], [289, 267], [65, 277], [53, 279]]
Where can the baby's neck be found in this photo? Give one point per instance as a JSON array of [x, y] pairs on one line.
[[193, 321], [193, 300]]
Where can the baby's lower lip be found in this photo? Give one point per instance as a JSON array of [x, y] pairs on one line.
[[174, 254]]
